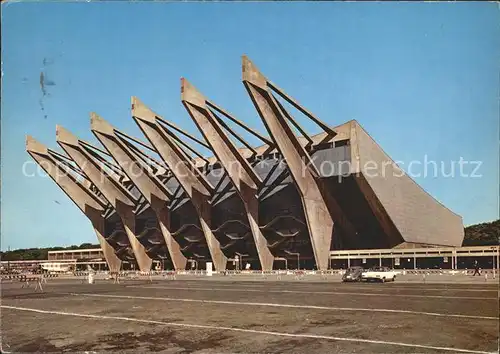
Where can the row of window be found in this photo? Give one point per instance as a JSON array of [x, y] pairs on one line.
[[278, 156]]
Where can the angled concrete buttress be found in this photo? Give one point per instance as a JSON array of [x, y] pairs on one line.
[[146, 182], [237, 167], [195, 185], [119, 197], [318, 213], [88, 202]]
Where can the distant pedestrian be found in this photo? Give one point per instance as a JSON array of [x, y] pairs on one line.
[[476, 269]]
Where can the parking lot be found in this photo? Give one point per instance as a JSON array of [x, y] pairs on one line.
[[218, 314]]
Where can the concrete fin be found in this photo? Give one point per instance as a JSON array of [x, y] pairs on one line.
[[79, 194], [146, 184], [319, 220], [182, 169], [34, 146], [141, 111], [241, 174], [251, 73], [99, 124], [109, 187], [191, 95], [65, 136]]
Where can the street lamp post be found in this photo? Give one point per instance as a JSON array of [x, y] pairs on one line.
[[298, 258], [498, 258], [240, 259], [197, 260]]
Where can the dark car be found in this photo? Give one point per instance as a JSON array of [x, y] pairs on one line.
[[353, 274]]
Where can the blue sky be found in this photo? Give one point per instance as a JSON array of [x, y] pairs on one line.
[[422, 79]]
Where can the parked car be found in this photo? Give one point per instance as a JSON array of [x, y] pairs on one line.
[[381, 274], [352, 274]]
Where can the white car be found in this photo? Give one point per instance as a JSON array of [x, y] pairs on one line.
[[381, 274]]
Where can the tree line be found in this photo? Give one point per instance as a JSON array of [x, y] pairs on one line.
[[484, 234], [25, 254]]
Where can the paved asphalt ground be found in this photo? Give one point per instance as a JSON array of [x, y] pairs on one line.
[[228, 314]]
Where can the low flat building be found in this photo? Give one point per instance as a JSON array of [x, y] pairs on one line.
[[78, 254]]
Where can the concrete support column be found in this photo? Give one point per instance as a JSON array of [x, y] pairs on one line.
[[238, 169], [87, 201], [192, 181], [204, 210], [95, 216], [178, 259], [498, 258], [128, 218], [319, 220], [146, 182], [493, 265], [111, 188]]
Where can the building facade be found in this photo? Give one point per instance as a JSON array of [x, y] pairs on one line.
[[295, 197]]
